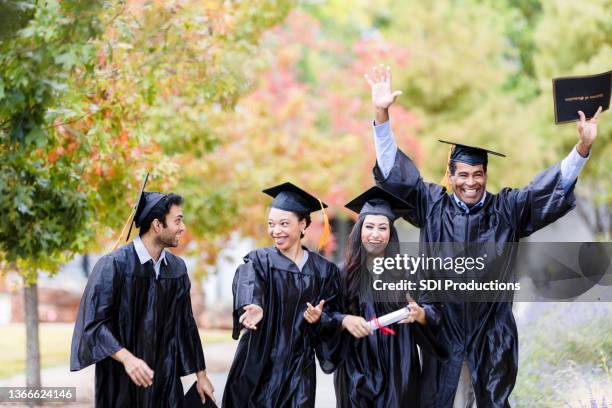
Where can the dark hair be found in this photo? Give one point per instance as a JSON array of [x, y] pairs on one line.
[[160, 211], [356, 282], [452, 167], [303, 216]]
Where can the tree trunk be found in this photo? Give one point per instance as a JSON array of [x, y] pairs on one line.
[[30, 294]]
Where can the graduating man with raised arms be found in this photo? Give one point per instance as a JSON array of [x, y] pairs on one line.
[[481, 337]]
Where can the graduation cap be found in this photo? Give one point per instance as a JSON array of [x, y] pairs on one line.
[[289, 197], [581, 93], [145, 203], [376, 201], [472, 155], [193, 400]]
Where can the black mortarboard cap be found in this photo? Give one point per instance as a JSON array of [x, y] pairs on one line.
[[584, 93], [471, 155], [289, 197], [146, 202], [192, 399], [377, 201], [460, 152]]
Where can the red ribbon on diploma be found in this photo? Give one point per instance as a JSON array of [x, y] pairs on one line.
[[383, 329]]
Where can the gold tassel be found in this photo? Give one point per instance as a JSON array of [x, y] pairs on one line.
[[129, 222], [445, 182], [326, 229]]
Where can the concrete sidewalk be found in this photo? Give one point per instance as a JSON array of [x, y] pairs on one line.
[[218, 360]]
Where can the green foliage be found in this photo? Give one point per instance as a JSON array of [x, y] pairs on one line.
[[37, 62], [92, 95], [45, 211], [219, 99], [482, 70], [575, 39], [179, 70]]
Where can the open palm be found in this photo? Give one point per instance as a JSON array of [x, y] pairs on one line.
[[251, 316], [379, 80]]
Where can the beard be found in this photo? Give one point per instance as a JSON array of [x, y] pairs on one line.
[[167, 240]]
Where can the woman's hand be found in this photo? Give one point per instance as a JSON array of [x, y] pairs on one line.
[[415, 314], [251, 316], [313, 314], [356, 325]]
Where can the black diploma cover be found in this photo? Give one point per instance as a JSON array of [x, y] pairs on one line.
[[585, 93]]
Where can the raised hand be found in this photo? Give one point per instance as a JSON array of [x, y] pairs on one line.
[[313, 314], [379, 80], [251, 316], [588, 132]]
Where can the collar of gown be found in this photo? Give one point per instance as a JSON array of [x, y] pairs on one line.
[[280, 261], [467, 209], [143, 254]]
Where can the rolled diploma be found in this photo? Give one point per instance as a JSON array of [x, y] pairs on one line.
[[390, 318]]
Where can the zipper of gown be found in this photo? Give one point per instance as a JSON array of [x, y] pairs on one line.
[[467, 221], [292, 332], [155, 303], [467, 237]]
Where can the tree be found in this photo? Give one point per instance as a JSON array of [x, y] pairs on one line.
[[586, 35], [482, 70], [177, 71], [306, 121], [74, 94], [45, 212]]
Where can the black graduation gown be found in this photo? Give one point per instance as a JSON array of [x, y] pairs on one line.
[[485, 333], [125, 306], [274, 366], [384, 370]]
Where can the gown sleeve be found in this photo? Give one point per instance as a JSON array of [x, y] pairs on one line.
[[405, 181], [327, 335], [538, 204], [94, 337], [190, 355], [427, 337], [248, 288]]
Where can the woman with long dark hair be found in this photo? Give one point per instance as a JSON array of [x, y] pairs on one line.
[[274, 293], [379, 368]]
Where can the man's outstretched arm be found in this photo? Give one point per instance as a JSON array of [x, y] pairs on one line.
[[383, 97], [573, 163], [549, 196], [395, 171]]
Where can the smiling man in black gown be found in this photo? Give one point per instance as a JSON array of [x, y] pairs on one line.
[[481, 337], [135, 321]]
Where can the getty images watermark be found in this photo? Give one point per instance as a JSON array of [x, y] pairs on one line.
[[485, 272]]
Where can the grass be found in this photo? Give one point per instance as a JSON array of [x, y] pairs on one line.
[[565, 357], [55, 341]]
